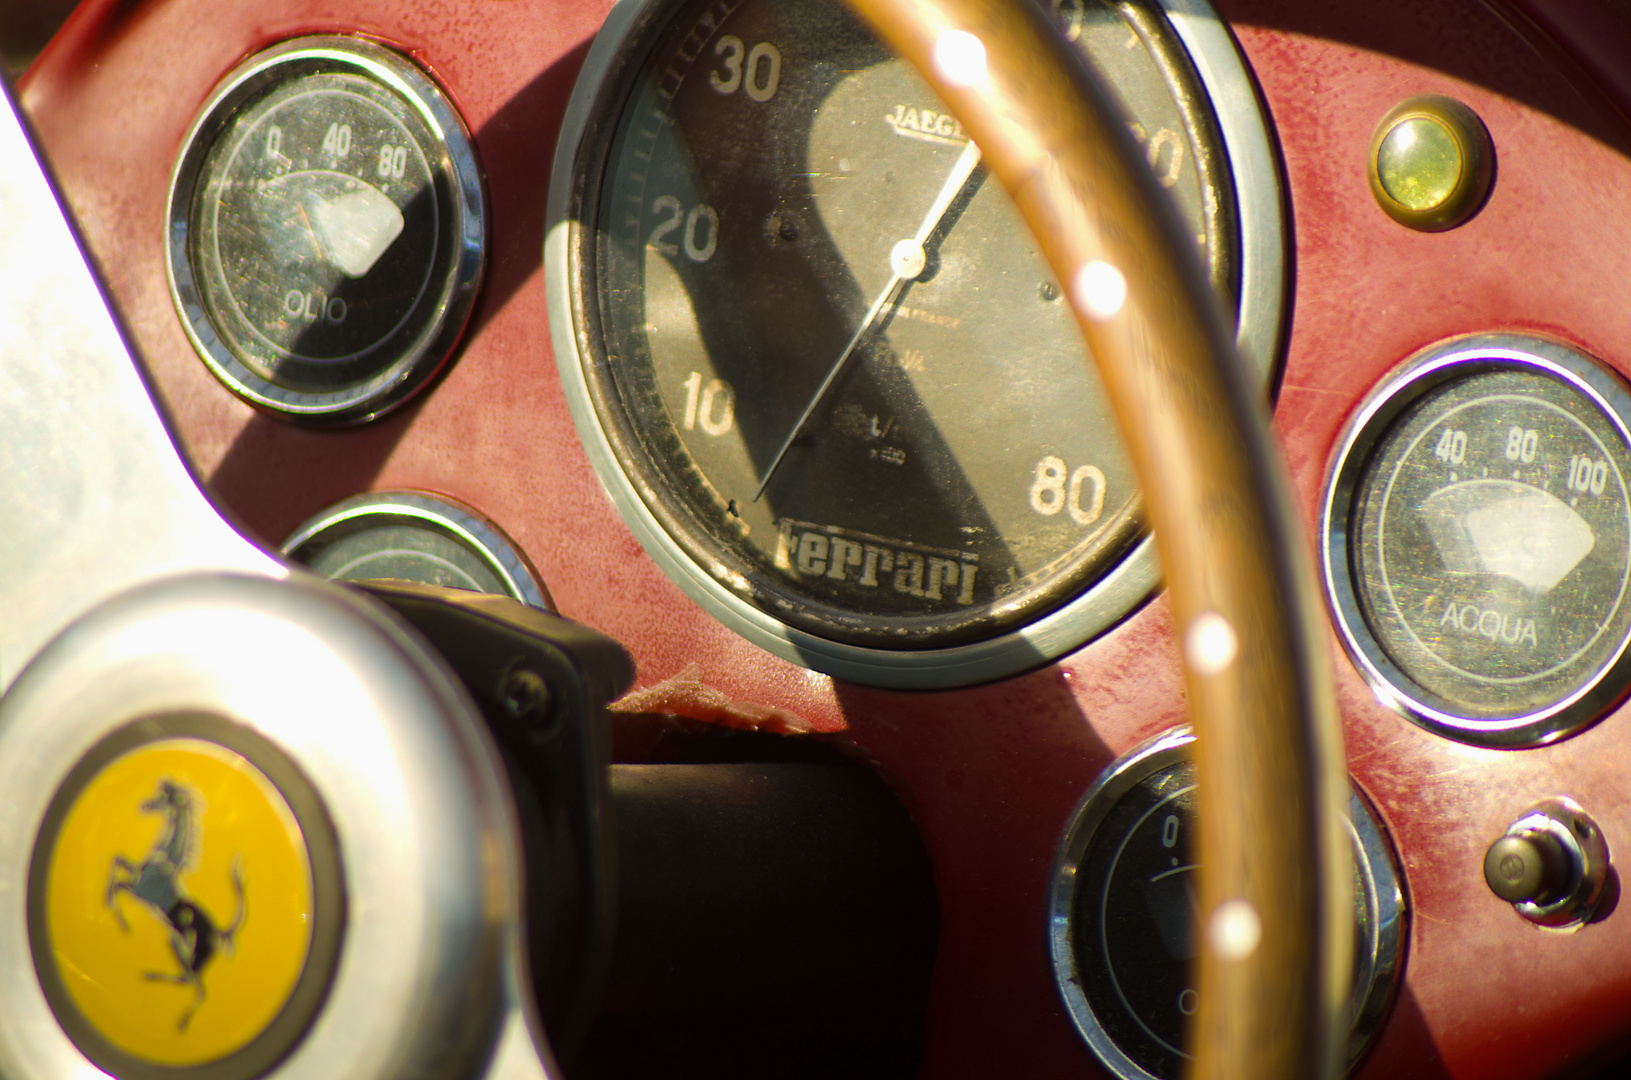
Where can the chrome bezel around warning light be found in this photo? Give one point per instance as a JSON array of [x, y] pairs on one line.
[[389, 371], [1378, 944], [1434, 368]]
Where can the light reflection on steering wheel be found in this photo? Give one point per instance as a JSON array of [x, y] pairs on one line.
[[1273, 884]]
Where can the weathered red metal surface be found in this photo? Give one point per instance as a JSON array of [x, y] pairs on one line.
[[990, 773]]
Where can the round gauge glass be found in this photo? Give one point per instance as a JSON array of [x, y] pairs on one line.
[[820, 358], [1124, 908], [326, 230], [416, 536], [1488, 541]]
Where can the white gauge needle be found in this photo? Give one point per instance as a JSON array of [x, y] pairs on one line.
[[906, 260]]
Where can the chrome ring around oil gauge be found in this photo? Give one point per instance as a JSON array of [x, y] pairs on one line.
[[416, 536], [326, 230], [1123, 907], [1477, 540]]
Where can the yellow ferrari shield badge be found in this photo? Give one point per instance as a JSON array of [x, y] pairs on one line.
[[178, 902]]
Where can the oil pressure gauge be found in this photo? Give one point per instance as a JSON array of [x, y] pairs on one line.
[[326, 230], [1478, 540]]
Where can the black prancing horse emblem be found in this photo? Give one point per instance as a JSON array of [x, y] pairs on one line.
[[156, 882]]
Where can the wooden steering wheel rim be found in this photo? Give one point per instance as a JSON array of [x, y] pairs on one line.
[[1276, 917]]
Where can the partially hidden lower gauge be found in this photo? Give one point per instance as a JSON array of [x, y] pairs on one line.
[[326, 230], [817, 358], [1478, 540], [1124, 906], [416, 536]]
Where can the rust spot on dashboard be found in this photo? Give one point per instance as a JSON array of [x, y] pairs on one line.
[[686, 695]]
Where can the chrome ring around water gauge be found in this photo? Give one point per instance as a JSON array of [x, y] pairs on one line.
[[326, 230], [1123, 909], [1477, 540]]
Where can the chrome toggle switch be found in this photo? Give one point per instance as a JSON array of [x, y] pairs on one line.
[[1550, 865]]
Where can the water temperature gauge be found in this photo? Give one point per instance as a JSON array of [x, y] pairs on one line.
[[1478, 540], [326, 230]]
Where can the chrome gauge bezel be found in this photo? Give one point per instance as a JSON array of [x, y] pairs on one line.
[[1254, 171], [434, 513], [1379, 957], [440, 315], [1428, 370]]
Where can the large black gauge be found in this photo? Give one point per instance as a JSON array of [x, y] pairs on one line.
[[1124, 907], [819, 361], [1478, 540], [326, 230]]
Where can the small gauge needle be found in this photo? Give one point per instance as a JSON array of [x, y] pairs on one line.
[[907, 260], [311, 233]]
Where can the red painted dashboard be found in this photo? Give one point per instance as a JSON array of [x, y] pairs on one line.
[[990, 774]]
